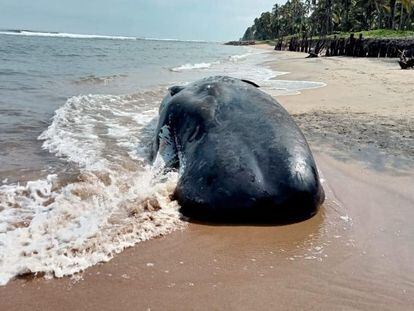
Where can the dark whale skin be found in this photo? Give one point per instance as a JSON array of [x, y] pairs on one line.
[[241, 156]]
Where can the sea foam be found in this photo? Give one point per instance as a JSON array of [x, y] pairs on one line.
[[64, 35], [60, 226], [192, 66], [89, 36]]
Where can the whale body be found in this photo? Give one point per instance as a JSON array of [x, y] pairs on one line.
[[239, 154]]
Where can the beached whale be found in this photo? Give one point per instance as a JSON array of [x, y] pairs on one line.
[[240, 155]]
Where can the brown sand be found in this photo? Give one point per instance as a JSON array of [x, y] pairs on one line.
[[366, 111], [357, 253]]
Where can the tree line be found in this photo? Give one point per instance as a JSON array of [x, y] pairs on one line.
[[324, 17]]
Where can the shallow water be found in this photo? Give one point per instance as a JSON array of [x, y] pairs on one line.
[[76, 184]]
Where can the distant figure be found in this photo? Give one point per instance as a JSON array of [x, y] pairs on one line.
[[405, 62]]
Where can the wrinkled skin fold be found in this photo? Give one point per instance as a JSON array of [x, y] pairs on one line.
[[240, 155]]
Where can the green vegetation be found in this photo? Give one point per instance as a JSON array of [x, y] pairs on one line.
[[270, 42], [310, 18], [386, 33]]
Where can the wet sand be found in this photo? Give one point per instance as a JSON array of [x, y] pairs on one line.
[[356, 253]]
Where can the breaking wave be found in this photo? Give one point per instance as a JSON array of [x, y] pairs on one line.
[[232, 59], [236, 58], [62, 35], [18, 32], [113, 198], [192, 66]]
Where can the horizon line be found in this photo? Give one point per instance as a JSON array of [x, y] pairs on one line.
[[58, 34]]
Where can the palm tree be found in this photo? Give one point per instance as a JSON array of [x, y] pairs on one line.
[[313, 17], [407, 5], [346, 8], [381, 7], [393, 5], [410, 11]]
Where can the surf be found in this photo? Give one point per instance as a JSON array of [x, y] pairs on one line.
[[64, 224]]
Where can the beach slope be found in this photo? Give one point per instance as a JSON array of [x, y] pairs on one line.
[[356, 253]]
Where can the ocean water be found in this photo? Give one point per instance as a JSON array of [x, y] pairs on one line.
[[77, 116]]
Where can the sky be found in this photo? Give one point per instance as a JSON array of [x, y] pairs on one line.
[[212, 20]]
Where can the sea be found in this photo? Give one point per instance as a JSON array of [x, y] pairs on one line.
[[77, 119]]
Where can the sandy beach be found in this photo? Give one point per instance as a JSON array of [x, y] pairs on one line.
[[357, 253]]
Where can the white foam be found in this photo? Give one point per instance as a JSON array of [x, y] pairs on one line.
[[192, 66], [250, 67], [90, 36], [64, 35], [236, 58], [60, 227]]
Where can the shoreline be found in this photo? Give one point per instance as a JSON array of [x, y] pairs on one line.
[[357, 252], [370, 113]]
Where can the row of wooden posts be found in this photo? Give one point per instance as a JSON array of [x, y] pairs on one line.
[[357, 47]]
